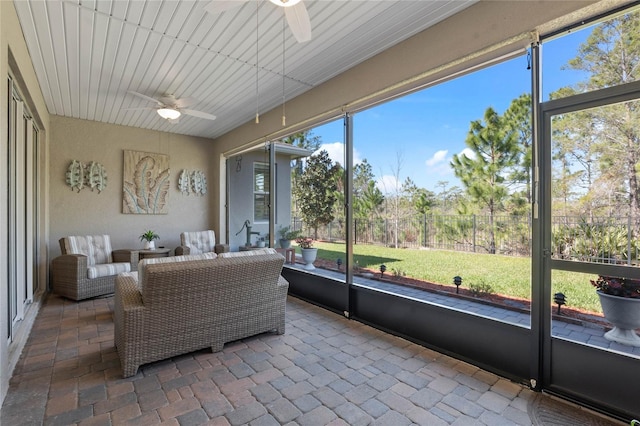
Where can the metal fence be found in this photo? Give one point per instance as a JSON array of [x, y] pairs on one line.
[[603, 240], [596, 239]]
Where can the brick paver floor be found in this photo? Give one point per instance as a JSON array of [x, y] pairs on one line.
[[325, 370]]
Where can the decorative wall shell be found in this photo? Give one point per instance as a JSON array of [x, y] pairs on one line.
[[75, 175], [80, 175], [96, 176], [184, 182], [195, 182], [198, 182]]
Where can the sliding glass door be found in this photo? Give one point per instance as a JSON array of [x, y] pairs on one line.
[[22, 213]]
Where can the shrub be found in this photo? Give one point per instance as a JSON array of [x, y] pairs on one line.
[[397, 272], [482, 288]]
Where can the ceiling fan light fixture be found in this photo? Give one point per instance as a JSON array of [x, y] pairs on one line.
[[285, 3], [169, 113]]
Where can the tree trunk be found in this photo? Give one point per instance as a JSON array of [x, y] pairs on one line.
[[492, 238], [632, 161]]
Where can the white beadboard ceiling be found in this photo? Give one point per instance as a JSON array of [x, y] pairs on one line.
[[89, 53]]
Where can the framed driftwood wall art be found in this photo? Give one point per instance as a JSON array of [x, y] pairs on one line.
[[145, 188]]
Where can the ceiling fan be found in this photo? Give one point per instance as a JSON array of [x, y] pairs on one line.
[[170, 108], [294, 10]]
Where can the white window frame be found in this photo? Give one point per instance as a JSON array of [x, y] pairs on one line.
[[262, 167]]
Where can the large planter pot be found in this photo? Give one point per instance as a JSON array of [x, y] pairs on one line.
[[285, 243], [309, 256], [624, 314]]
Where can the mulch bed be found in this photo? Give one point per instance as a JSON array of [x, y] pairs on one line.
[[567, 314]]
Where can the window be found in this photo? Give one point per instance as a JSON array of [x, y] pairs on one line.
[[261, 180]]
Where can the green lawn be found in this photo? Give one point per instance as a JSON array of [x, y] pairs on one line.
[[510, 276]]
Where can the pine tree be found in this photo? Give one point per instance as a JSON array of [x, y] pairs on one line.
[[315, 191], [518, 115], [305, 140], [605, 141], [495, 153]]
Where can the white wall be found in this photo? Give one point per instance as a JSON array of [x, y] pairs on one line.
[[89, 212], [241, 196]]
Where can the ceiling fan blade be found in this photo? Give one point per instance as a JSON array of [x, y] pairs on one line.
[[186, 102], [299, 23], [167, 100], [148, 98], [216, 7], [198, 114]]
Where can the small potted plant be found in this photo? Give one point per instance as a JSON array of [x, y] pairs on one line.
[[309, 253], [148, 238], [620, 301], [286, 235]]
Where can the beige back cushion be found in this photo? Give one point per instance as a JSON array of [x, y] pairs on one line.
[[97, 248], [248, 253], [199, 241], [144, 262]]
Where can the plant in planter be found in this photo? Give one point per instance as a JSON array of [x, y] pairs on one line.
[[305, 242], [148, 238], [620, 301], [286, 235], [309, 253]]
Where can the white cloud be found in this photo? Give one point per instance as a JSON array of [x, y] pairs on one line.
[[469, 153], [439, 171], [437, 158], [438, 167], [336, 152], [387, 184]]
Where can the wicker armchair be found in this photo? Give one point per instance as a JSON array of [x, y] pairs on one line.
[[88, 266], [197, 242], [179, 307]]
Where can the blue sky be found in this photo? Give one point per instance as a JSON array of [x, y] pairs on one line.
[[425, 129]]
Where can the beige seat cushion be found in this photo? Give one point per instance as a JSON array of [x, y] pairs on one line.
[[107, 269]]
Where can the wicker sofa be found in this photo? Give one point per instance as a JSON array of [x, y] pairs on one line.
[[88, 266], [173, 306]]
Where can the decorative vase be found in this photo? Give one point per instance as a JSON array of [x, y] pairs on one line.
[[624, 314], [149, 245], [309, 256], [285, 243]]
